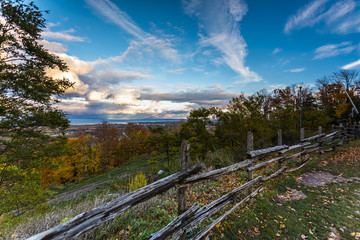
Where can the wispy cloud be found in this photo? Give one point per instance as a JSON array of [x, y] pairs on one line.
[[295, 70], [341, 17], [177, 71], [109, 10], [331, 50], [220, 20], [276, 51], [64, 36], [352, 65], [114, 14], [305, 16]]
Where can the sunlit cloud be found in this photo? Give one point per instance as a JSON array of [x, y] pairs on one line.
[[64, 36], [54, 46]]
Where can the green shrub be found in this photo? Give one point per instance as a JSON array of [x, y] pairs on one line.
[[137, 182], [219, 158]]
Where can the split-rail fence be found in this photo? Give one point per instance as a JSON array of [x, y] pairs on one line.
[[190, 218]]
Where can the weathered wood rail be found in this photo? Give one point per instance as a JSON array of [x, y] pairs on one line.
[[189, 218]]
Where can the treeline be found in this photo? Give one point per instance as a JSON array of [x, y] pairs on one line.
[[264, 112], [217, 136], [109, 147]]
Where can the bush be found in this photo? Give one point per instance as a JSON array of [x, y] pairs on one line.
[[219, 158], [137, 182]]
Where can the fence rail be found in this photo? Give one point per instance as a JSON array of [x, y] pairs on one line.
[[189, 218]]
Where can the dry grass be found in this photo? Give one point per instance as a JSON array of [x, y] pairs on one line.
[[53, 218]]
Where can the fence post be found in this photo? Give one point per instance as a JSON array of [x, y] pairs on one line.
[[320, 142], [250, 147], [343, 133], [279, 143], [182, 191], [279, 137], [302, 136], [185, 161], [355, 130], [333, 146]]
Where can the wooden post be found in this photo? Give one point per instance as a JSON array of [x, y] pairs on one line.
[[333, 146], [185, 161], [250, 147], [355, 130], [279, 143], [302, 136], [182, 191], [320, 142], [279, 137]]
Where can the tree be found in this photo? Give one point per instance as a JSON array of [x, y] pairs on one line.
[[107, 139], [26, 100], [195, 130]]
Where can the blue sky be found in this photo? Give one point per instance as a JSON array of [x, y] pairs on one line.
[[159, 59]]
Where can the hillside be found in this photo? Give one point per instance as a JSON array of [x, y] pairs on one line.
[[329, 211]]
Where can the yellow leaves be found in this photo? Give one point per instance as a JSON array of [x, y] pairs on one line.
[[311, 232], [282, 225], [65, 219]]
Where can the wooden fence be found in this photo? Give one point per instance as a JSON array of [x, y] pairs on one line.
[[189, 218]]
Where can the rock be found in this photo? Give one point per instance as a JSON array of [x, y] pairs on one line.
[[289, 195], [316, 179]]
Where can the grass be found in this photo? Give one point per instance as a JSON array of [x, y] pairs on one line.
[[326, 209]]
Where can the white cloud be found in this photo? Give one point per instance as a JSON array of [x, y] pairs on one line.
[[295, 70], [64, 36], [177, 71], [338, 10], [305, 16], [276, 51], [115, 15], [341, 17], [331, 50], [220, 21], [76, 67], [54, 46], [352, 65]]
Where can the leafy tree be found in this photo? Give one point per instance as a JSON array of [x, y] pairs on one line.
[[331, 93], [26, 98], [165, 139], [196, 132], [133, 141], [107, 140]]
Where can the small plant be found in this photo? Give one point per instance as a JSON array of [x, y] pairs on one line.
[[219, 158], [137, 182], [65, 219]]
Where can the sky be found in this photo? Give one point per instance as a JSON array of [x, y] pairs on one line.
[[160, 59]]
